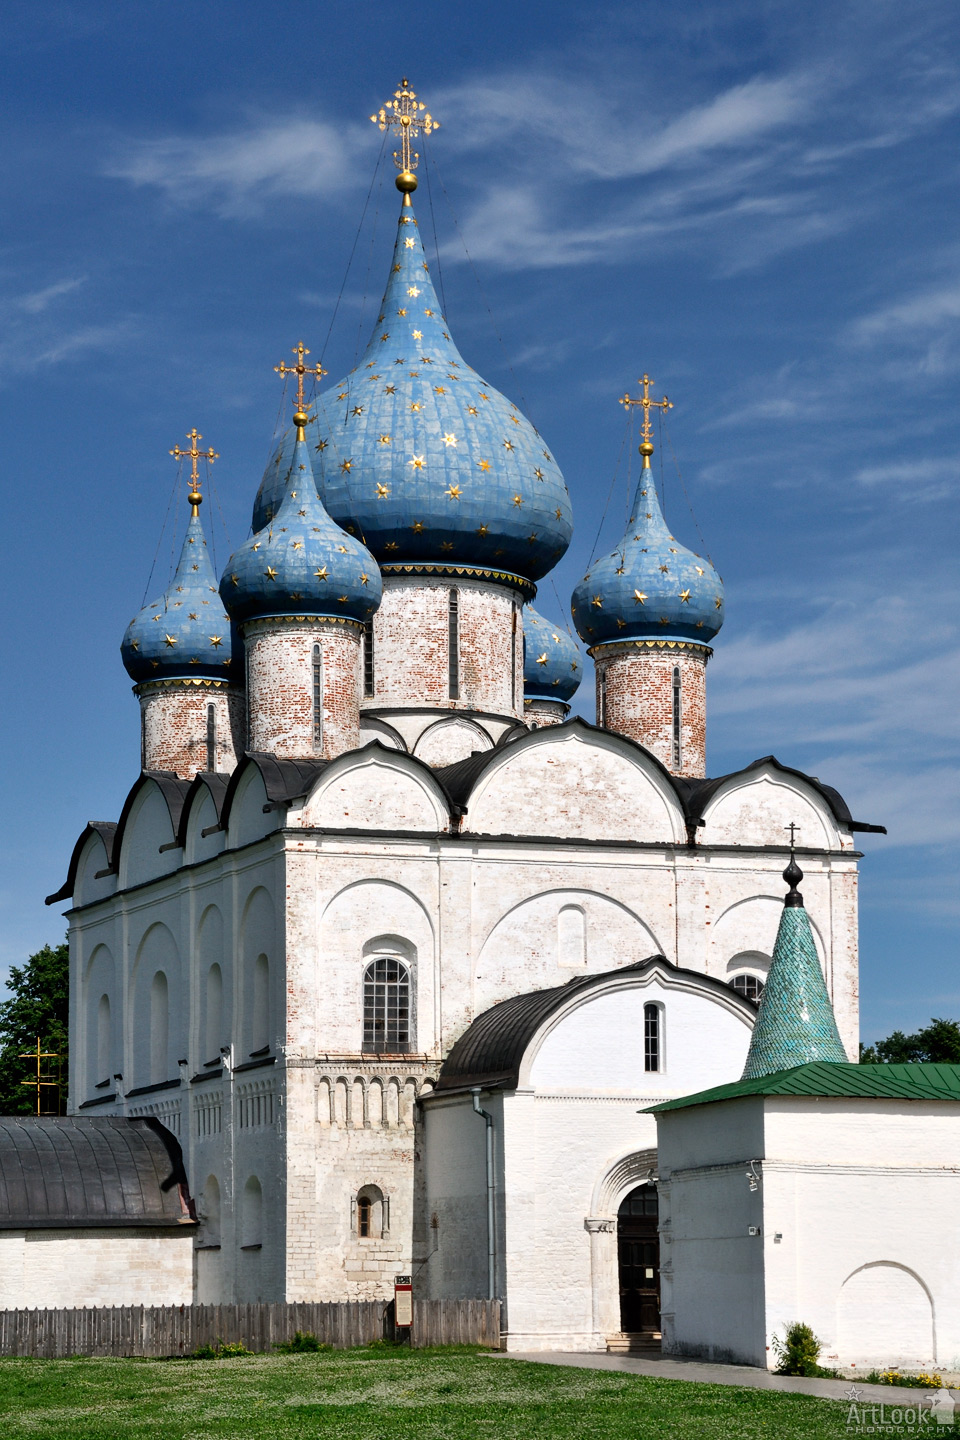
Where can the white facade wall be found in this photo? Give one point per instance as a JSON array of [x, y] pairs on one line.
[[855, 1207], [68, 1269]]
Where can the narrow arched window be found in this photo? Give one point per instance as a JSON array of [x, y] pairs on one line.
[[386, 1006], [213, 1036], [317, 697], [676, 717], [159, 1027], [104, 1037], [453, 644], [251, 1215], [652, 1037], [513, 656], [260, 1006], [372, 1211], [211, 737], [368, 674], [601, 696]]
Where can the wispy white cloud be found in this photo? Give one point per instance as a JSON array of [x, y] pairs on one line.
[[914, 315], [931, 475], [39, 300]]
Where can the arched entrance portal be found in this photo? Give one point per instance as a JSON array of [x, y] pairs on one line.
[[638, 1255]]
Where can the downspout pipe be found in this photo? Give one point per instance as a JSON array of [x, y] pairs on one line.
[[475, 1091]]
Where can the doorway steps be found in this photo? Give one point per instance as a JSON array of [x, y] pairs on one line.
[[646, 1342]]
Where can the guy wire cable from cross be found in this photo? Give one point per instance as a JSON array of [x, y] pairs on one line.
[[693, 513]]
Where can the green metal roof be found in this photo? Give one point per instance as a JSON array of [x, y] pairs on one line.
[[836, 1080]]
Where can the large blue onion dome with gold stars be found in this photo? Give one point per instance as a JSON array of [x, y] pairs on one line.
[[552, 665], [650, 585], [301, 563], [186, 633], [421, 457]]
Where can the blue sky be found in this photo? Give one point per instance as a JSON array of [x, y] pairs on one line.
[[756, 202]]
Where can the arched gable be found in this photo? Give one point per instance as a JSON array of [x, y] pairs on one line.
[[201, 815], [146, 843], [247, 812], [377, 789], [92, 860], [751, 924], [755, 807], [451, 739], [594, 1041], [573, 781]]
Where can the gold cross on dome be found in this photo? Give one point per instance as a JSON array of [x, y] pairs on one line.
[[646, 429], [194, 455], [407, 117], [300, 370]]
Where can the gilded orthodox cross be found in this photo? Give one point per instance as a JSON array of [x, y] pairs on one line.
[[194, 455], [43, 1082], [300, 370], [407, 117], [646, 430]]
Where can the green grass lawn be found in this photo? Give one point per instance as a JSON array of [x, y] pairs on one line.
[[393, 1394]]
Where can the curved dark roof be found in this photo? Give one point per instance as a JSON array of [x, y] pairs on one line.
[[107, 1171], [491, 1050], [106, 829], [701, 792], [216, 784]]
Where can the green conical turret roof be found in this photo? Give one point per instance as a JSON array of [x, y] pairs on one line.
[[796, 1024]]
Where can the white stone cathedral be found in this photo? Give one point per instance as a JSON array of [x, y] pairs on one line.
[[366, 832]]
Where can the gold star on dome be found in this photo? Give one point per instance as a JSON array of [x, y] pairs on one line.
[[483, 530], [383, 337], [299, 512], [538, 473], [542, 659], [699, 624], [449, 439], [357, 410], [718, 603], [346, 466], [418, 334], [321, 574], [547, 455], [439, 390], [417, 527], [559, 514], [664, 620], [391, 545], [216, 641], [191, 616], [639, 597], [383, 440], [518, 500], [414, 374], [194, 567], [390, 390], [364, 579], [425, 360], [447, 545], [672, 550], [416, 461], [428, 312], [343, 549], [620, 570], [342, 599], [321, 445], [134, 644], [621, 624], [374, 377], [699, 569], [342, 395], [453, 492], [574, 665], [412, 290], [508, 445], [597, 602], [399, 362], [664, 569], [409, 243], [426, 267], [484, 396], [297, 544], [383, 490], [270, 573], [177, 604], [415, 406], [234, 580], [685, 596], [171, 640], [396, 269], [514, 419], [472, 410]]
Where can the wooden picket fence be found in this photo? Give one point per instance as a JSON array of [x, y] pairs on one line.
[[165, 1330]]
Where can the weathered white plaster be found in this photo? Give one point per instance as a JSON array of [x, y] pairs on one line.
[[66, 1269]]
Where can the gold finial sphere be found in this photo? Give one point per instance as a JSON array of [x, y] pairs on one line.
[[406, 182], [195, 498], [646, 448], [300, 417]]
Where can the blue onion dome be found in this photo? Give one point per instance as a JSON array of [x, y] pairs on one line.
[[650, 585], [301, 563], [420, 456], [186, 633], [552, 665]]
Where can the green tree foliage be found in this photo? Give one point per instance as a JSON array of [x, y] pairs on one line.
[[38, 1007], [798, 1353], [939, 1042]]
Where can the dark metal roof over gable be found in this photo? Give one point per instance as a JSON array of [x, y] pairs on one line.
[[106, 1171], [699, 793], [106, 830], [490, 1051]]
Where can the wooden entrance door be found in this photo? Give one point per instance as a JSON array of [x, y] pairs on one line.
[[638, 1246]]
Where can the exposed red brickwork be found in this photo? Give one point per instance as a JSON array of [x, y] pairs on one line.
[[280, 687], [412, 654], [174, 727], [639, 701]]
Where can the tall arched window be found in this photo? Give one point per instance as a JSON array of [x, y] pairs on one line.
[[159, 1028], [251, 1215], [211, 737], [676, 717], [602, 696], [369, 676], [317, 698], [259, 1030], [386, 1006], [104, 1037], [213, 1030], [652, 1037]]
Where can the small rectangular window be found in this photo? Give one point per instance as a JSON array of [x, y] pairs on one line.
[[368, 676], [211, 737], [317, 697], [651, 1037], [453, 640]]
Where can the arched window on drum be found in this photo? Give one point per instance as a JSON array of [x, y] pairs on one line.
[[387, 1027]]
